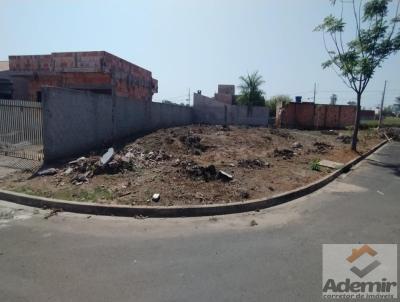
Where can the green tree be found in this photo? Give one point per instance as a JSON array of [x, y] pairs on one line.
[[396, 105], [376, 38], [251, 93], [276, 99]]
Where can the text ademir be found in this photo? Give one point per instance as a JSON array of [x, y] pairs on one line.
[[346, 286]]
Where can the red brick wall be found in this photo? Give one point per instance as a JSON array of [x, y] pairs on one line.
[[318, 116], [85, 69], [85, 81], [224, 98]]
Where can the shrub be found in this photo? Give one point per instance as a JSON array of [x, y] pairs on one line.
[[315, 165]]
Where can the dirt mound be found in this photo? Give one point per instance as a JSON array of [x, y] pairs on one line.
[[252, 163], [393, 133], [282, 133], [284, 153], [322, 147], [193, 143], [345, 139]]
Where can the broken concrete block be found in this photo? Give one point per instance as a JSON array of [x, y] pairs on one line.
[[68, 171], [329, 132], [330, 164], [46, 172], [156, 197], [77, 161], [296, 145], [224, 176], [107, 156]]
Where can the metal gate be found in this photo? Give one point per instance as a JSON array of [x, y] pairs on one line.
[[21, 129]]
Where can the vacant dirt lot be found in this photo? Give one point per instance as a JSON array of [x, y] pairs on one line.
[[183, 165]]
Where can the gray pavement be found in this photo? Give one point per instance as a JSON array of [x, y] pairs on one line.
[[72, 257]]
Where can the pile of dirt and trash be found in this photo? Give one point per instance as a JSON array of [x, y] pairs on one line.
[[252, 163], [197, 164], [82, 169], [390, 133], [284, 153], [322, 147]]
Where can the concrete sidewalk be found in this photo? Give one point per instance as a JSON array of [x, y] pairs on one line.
[[271, 255]]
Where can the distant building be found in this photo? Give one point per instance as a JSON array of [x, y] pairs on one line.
[[95, 71], [6, 89], [307, 115], [225, 94]]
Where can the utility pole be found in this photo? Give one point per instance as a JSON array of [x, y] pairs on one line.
[[188, 98], [381, 110], [315, 91]]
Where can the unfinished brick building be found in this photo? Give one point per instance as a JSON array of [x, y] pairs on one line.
[[95, 71], [225, 94], [317, 116]]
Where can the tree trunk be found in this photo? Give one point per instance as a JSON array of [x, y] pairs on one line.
[[356, 123]]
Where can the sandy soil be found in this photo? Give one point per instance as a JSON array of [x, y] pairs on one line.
[[176, 164]]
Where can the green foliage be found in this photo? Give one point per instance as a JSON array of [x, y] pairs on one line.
[[276, 99], [315, 165], [250, 90], [387, 122], [376, 38]]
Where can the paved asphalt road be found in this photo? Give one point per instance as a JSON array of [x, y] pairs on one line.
[[72, 257]]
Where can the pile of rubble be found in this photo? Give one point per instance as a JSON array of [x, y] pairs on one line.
[[284, 153], [206, 173], [193, 143], [252, 163], [82, 169], [393, 133], [345, 139], [322, 147]]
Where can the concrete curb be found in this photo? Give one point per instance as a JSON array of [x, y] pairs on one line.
[[176, 211]]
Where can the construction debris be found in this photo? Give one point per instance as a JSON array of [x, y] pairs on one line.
[[107, 156], [393, 133], [198, 172], [330, 164], [252, 163], [284, 153], [322, 147], [193, 143], [224, 176], [156, 197], [47, 172], [329, 132], [296, 145], [345, 139]]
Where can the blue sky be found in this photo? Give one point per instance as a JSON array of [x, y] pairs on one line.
[[194, 44]]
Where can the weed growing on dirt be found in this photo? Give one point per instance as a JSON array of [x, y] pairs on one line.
[[315, 165]]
